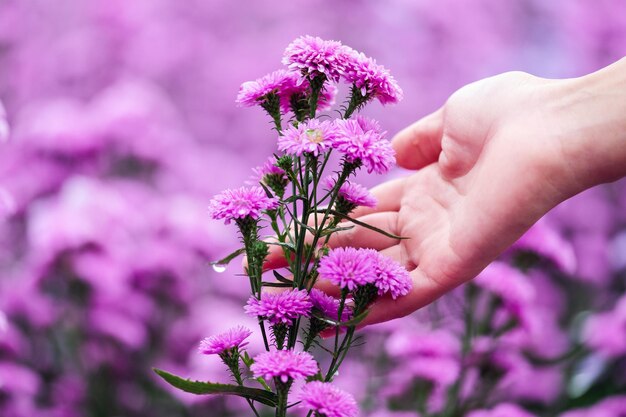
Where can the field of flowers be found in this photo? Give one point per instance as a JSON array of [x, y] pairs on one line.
[[118, 124]]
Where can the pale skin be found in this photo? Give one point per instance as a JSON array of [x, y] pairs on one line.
[[496, 157]]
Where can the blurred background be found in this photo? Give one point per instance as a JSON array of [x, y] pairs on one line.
[[123, 125]]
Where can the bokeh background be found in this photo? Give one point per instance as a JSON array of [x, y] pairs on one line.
[[123, 125]]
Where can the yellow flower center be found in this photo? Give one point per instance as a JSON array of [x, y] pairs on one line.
[[315, 135]]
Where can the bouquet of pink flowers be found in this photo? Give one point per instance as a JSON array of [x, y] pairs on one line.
[[305, 207]]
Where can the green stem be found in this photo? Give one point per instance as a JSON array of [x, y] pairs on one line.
[[453, 404]]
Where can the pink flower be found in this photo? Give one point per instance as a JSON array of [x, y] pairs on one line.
[[241, 203], [270, 169], [301, 88], [327, 305], [351, 192], [284, 365], [370, 79], [311, 137], [282, 307], [360, 139], [502, 410], [327, 400], [230, 339], [348, 267], [391, 277], [314, 56], [253, 92]]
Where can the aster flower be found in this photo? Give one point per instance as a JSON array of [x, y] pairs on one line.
[[228, 340], [282, 307], [313, 56], [327, 305], [391, 277], [371, 80], [284, 365], [256, 92], [327, 400], [241, 203], [360, 139], [312, 137], [295, 92], [351, 193], [348, 267], [272, 176]]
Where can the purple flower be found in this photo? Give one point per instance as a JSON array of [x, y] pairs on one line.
[[313, 56], [606, 332], [348, 267], [327, 305], [4, 125], [391, 277], [284, 365], [360, 139], [269, 169], [327, 400], [282, 307], [240, 203], [253, 92], [297, 86], [502, 410], [230, 339], [609, 407], [351, 192], [370, 79], [312, 137]]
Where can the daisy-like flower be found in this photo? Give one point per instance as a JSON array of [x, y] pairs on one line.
[[370, 79], [298, 88], [328, 306], [360, 139], [230, 339], [241, 203], [269, 169], [255, 92], [313, 56], [391, 277], [327, 400], [284, 365], [348, 267], [352, 193], [313, 136], [282, 307]]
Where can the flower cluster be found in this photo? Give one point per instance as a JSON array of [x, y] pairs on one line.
[[304, 207]]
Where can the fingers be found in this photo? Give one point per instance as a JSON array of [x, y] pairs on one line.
[[358, 237], [362, 237], [420, 144], [387, 195]]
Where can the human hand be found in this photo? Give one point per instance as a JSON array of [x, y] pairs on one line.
[[495, 158]]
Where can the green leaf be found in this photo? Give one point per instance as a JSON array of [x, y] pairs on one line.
[[281, 278], [362, 224], [226, 260], [277, 284], [329, 231], [202, 388], [354, 321], [267, 190], [287, 245]]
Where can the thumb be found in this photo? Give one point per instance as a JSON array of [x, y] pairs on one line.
[[419, 144]]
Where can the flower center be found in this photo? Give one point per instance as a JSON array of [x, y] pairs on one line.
[[315, 135]]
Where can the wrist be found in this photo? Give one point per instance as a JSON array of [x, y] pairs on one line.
[[590, 128]]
